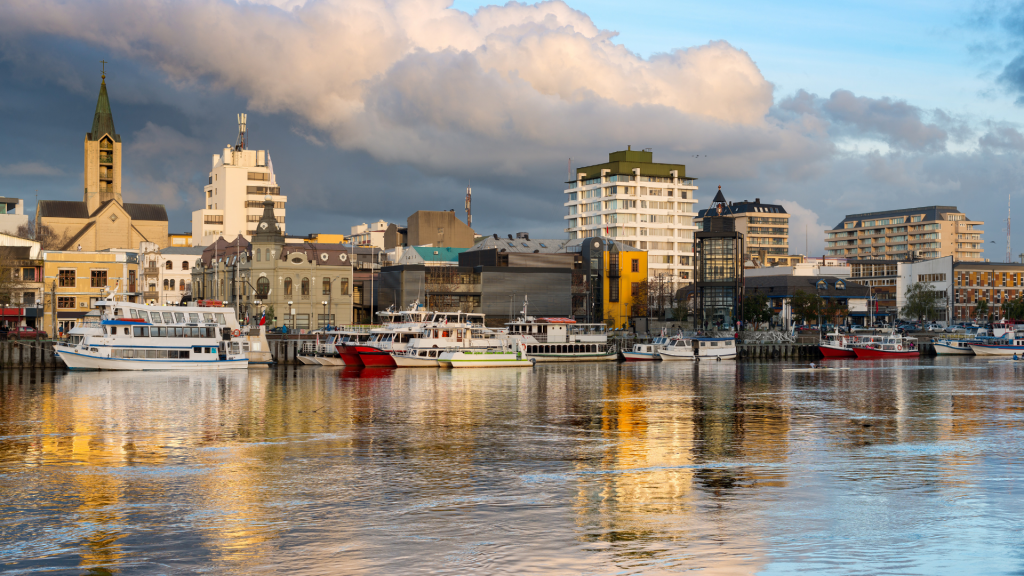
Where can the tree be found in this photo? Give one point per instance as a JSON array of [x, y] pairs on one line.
[[48, 239], [806, 305], [1014, 309], [681, 311], [757, 309], [638, 306], [920, 301], [981, 309], [659, 289], [835, 311]]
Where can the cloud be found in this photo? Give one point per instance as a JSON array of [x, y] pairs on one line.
[[29, 169], [805, 229], [1003, 138], [155, 174]]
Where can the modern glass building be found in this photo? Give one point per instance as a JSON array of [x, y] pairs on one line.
[[718, 291]]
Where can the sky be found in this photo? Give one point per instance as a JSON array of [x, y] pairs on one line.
[[373, 109]]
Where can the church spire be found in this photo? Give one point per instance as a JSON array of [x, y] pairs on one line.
[[103, 120], [268, 229]]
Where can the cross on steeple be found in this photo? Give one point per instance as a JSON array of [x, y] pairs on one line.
[[103, 73]]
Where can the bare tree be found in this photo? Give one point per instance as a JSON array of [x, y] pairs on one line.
[[11, 283], [579, 290], [48, 238], [659, 290]]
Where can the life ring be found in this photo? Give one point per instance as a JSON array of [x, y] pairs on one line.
[[899, 347], [236, 332]]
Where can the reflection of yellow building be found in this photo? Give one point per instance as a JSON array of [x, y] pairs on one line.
[[73, 281]]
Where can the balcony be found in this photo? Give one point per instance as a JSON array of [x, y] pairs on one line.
[[148, 295]]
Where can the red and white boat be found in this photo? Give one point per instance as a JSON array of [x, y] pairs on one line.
[[346, 346], [894, 346], [836, 345]]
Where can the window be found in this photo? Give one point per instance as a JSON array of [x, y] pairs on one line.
[[613, 291], [635, 266], [181, 286], [327, 286], [613, 261], [287, 286], [343, 286], [184, 265], [305, 287], [259, 254], [634, 289], [99, 278], [172, 283], [262, 287], [169, 265], [28, 274], [166, 283], [66, 278], [65, 302]]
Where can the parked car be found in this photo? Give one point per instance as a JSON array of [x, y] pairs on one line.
[[806, 328], [26, 332], [934, 328]]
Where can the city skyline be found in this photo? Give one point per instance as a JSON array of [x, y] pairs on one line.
[[774, 116]]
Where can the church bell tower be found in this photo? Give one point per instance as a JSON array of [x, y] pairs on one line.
[[102, 155]]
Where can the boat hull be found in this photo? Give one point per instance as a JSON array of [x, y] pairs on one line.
[[996, 350], [669, 356], [307, 360], [640, 356], [349, 355], [836, 352], [403, 361], [76, 361], [609, 357], [483, 359], [375, 357], [869, 353], [331, 360]]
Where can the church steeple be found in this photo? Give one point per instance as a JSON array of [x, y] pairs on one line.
[[268, 230], [102, 155]]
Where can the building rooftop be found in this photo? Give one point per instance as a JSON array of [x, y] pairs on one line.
[[746, 206], [519, 245], [930, 213], [786, 286], [624, 161], [431, 254], [193, 250]]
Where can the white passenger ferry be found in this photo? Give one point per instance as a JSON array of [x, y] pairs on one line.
[[142, 337], [562, 339]]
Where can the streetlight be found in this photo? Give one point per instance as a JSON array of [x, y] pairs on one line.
[[291, 312], [326, 322]]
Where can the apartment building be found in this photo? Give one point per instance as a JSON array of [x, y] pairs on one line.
[[368, 234], [994, 282], [75, 280], [926, 232], [765, 228], [167, 273], [239, 180], [640, 204]]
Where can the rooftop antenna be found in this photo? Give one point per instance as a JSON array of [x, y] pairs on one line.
[[469, 204], [568, 170], [241, 142]]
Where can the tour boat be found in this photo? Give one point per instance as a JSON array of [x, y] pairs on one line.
[[888, 347], [417, 358], [562, 339], [836, 345], [697, 348], [506, 355], [133, 336], [1008, 344], [397, 328], [347, 343], [643, 352], [447, 331]]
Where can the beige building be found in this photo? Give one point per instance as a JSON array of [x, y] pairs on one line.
[[927, 232], [167, 273], [102, 220], [430, 228], [74, 280], [765, 227]]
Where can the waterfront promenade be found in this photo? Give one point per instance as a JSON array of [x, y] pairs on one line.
[[716, 468]]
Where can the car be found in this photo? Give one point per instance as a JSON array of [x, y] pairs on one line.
[[26, 333], [933, 328]]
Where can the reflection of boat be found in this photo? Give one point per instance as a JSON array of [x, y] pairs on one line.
[[514, 355], [888, 347]]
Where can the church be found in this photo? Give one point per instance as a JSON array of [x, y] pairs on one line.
[[102, 220]]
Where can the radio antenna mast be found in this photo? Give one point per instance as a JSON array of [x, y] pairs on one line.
[[469, 204], [241, 142], [1008, 257]]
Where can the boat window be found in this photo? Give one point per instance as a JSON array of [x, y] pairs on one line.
[[220, 319], [140, 331], [208, 316], [169, 317], [127, 331], [193, 317], [104, 330], [156, 318], [179, 317], [178, 332], [144, 315], [118, 312]]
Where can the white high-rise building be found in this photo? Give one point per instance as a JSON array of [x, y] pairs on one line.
[[636, 202], [233, 198]]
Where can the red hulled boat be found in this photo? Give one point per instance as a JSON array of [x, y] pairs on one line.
[[836, 345], [888, 347]]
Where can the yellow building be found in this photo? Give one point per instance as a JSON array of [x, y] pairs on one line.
[[179, 240], [74, 280], [325, 239], [625, 271], [102, 220]]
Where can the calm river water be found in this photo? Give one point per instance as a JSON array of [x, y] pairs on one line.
[[721, 468]]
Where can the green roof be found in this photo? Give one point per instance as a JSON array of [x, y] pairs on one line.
[[443, 254], [624, 161], [103, 121]]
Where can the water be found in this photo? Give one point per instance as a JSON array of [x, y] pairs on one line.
[[597, 469]]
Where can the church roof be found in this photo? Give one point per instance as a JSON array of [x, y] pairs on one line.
[[103, 120], [72, 209]]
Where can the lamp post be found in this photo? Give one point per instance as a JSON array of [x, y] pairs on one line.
[[291, 312], [326, 322]]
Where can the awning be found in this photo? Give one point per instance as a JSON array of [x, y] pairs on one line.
[[71, 314], [12, 312]]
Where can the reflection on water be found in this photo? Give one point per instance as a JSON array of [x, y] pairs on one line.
[[715, 468]]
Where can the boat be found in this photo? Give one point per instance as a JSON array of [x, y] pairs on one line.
[[892, 346], [836, 345], [698, 348], [136, 342], [397, 329], [954, 346], [505, 355], [447, 331], [555, 339], [1008, 344], [346, 345], [645, 352], [417, 358]]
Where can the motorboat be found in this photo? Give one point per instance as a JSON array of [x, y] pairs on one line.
[[892, 346], [645, 352], [1009, 344], [836, 345], [698, 348], [507, 355], [555, 339]]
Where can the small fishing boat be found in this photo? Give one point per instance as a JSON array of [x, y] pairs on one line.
[[836, 345], [506, 355], [698, 348], [893, 346], [1008, 344]]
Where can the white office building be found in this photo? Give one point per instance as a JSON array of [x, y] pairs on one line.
[[239, 180], [638, 203]]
